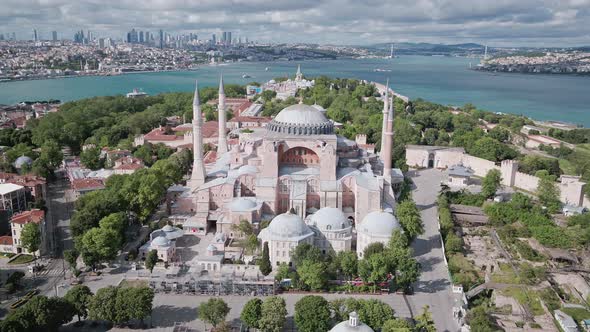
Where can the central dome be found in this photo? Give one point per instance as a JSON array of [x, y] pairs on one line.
[[301, 119], [288, 226]]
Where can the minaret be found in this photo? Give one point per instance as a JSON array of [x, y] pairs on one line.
[[384, 125], [386, 156], [198, 175], [221, 141], [298, 75]]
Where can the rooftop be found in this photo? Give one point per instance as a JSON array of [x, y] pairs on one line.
[[26, 217]]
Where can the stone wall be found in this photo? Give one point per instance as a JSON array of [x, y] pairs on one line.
[[526, 182]]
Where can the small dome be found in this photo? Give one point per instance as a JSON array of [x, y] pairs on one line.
[[288, 225], [330, 219], [379, 223], [168, 228], [161, 241], [242, 204], [211, 248], [21, 161], [353, 324]]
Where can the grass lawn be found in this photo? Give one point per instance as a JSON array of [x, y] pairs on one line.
[[526, 298], [22, 259], [505, 275], [6, 254], [133, 283]]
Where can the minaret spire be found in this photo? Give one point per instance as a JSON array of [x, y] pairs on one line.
[[384, 123], [222, 140], [387, 153], [199, 174]]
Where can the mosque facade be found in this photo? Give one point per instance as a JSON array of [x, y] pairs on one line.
[[313, 185]]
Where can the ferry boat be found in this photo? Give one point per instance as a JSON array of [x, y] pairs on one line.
[[246, 76], [380, 70], [136, 94], [266, 69]]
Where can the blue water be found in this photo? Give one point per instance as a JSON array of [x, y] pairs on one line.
[[440, 79]]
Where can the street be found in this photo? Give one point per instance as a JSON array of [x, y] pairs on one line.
[[434, 287]]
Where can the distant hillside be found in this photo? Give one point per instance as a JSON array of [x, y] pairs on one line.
[[430, 49]]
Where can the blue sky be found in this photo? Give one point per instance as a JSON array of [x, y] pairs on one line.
[[493, 22]]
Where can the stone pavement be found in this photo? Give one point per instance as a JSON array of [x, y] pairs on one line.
[[434, 287]]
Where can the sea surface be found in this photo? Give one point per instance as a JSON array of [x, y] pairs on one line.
[[445, 80]]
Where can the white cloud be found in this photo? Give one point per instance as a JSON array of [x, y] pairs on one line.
[[504, 22]]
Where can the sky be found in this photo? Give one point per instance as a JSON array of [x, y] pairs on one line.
[[345, 22]]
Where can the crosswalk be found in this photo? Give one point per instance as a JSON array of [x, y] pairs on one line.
[[54, 272]]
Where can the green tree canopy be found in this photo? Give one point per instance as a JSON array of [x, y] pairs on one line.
[[264, 262], [79, 297], [213, 311], [151, 260], [31, 237], [312, 314], [491, 183], [273, 314], [252, 312], [410, 219]]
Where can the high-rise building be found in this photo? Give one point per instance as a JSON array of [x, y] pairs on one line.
[[1, 36], [161, 41], [224, 37], [213, 39], [228, 42], [101, 43], [35, 37], [13, 36], [141, 37], [54, 35]]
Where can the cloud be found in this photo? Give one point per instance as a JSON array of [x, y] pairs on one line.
[[503, 22]]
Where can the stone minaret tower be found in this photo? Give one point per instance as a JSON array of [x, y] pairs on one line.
[[199, 174], [384, 125], [222, 141], [387, 152]]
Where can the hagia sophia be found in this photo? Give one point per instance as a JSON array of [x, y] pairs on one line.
[[313, 185]]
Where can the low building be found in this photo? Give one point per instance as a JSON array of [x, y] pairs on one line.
[[333, 230], [128, 165], [535, 141], [83, 186], [6, 244], [377, 226], [284, 233], [565, 321], [165, 248], [459, 176], [18, 222], [35, 186], [12, 198]]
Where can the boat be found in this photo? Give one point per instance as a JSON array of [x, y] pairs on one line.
[[246, 76], [266, 69], [380, 70], [136, 94]]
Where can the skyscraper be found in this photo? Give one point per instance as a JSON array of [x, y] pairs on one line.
[[213, 41], [54, 35], [161, 38], [35, 37], [141, 37], [1, 36], [228, 42], [224, 37]]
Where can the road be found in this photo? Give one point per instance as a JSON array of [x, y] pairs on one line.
[[434, 287]]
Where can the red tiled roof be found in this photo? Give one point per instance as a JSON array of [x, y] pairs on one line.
[[129, 166], [159, 135], [6, 240], [23, 180], [26, 217], [260, 119], [87, 184], [210, 129], [210, 157]]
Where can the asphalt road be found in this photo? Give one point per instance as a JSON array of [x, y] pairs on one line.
[[434, 287]]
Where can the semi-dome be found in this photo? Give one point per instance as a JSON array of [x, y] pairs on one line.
[[21, 161], [168, 228], [242, 204], [330, 219], [379, 223], [161, 241], [287, 226], [301, 119]]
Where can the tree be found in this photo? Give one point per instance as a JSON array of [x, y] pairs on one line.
[[133, 303], [151, 259], [479, 320], [410, 219], [49, 159], [374, 269], [251, 243], [91, 158], [40, 313], [213, 311], [348, 263], [71, 256], [312, 314], [396, 325], [548, 192], [264, 262], [491, 183], [375, 313], [117, 222], [306, 251], [273, 314], [313, 274], [252, 312], [103, 304], [97, 245], [79, 296], [373, 248], [424, 322], [244, 227], [31, 237]]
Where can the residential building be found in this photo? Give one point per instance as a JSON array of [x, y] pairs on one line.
[[18, 222], [13, 198]]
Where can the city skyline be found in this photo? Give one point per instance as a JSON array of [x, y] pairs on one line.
[[503, 23]]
